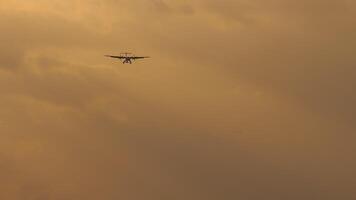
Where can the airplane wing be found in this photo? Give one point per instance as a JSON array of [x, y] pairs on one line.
[[118, 57], [138, 57]]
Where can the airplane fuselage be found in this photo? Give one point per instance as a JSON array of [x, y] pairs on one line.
[[127, 60]]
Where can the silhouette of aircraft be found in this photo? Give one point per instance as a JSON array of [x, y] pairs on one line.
[[127, 57]]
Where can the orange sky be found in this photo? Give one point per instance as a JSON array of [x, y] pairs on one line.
[[242, 99]]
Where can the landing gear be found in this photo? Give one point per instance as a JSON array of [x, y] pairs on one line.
[[127, 61]]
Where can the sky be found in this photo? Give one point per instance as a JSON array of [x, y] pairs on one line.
[[241, 99]]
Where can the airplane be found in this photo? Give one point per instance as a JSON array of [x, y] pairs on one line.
[[127, 57]]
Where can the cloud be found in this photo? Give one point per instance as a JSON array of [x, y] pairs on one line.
[[241, 99]]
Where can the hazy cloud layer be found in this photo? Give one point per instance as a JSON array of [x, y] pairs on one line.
[[241, 100]]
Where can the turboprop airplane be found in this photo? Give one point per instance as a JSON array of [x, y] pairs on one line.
[[127, 57]]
